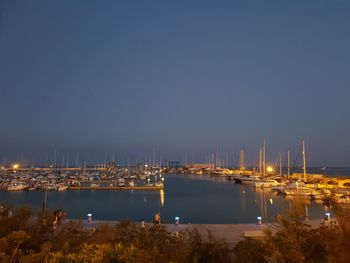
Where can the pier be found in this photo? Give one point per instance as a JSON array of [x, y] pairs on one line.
[[115, 188]]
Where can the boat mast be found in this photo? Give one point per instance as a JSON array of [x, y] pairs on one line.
[[288, 169], [304, 160], [281, 164], [260, 163], [264, 159]]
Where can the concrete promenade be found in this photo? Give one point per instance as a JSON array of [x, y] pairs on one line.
[[233, 233]]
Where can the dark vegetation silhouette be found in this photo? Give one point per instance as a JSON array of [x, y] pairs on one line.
[[48, 237], [296, 242], [25, 237]]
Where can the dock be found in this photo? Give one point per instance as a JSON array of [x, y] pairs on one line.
[[115, 188]]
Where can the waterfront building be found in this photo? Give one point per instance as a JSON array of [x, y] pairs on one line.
[[199, 166]]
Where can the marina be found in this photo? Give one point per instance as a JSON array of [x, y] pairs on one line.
[[196, 193], [196, 199], [53, 179]]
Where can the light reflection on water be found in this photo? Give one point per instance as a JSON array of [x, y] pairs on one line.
[[194, 198]]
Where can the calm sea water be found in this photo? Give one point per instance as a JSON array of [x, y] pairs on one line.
[[195, 199]]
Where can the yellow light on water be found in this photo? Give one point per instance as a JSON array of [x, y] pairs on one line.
[[162, 197]]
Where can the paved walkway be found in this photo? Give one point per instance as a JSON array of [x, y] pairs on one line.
[[232, 233]]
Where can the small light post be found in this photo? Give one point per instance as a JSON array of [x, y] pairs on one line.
[[177, 220], [328, 216], [89, 217], [259, 218]]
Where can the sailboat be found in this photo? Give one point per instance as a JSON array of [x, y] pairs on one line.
[[263, 181], [251, 179], [299, 187]]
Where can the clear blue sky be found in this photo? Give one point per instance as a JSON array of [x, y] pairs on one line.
[[180, 76]]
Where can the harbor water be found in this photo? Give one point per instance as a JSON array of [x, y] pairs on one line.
[[197, 199]]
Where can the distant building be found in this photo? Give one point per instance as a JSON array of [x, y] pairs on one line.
[[172, 164], [200, 166], [241, 160], [308, 176], [110, 164]]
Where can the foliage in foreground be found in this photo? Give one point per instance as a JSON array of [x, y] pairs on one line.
[[28, 238], [297, 242], [25, 237]]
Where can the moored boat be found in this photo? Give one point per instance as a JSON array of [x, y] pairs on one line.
[[267, 183], [16, 187]]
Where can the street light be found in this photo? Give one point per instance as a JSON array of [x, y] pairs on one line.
[[15, 166], [269, 169]]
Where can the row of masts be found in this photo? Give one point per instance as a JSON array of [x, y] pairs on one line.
[[212, 159], [262, 161]]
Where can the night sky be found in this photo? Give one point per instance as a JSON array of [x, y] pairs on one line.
[[183, 77]]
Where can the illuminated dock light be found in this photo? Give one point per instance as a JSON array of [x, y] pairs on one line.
[[89, 217], [259, 218], [328, 215]]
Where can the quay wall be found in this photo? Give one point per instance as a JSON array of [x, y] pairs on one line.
[[149, 188], [115, 187]]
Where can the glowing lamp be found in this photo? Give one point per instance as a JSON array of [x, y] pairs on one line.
[[259, 218], [89, 217], [328, 215]]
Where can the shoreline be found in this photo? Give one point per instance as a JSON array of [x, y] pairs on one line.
[[115, 188], [87, 188]]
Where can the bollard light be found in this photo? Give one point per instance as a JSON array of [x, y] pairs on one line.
[[259, 218], [177, 220], [89, 217], [328, 215]]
